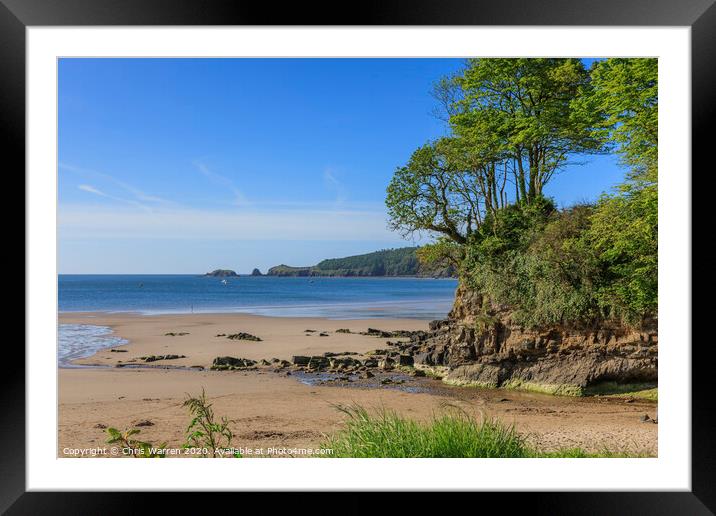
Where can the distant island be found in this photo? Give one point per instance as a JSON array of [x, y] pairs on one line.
[[387, 262], [222, 273], [256, 272]]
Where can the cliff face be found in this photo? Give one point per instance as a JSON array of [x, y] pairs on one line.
[[479, 345]]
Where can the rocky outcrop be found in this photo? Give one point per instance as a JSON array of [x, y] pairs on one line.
[[256, 272], [222, 273], [479, 345], [154, 358], [243, 336], [232, 363]]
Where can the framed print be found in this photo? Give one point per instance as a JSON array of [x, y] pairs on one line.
[[445, 248]]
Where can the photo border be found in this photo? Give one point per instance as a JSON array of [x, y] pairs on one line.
[[700, 15]]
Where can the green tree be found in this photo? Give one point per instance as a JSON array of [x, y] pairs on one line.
[[527, 110], [625, 92], [441, 252], [430, 193], [515, 123]]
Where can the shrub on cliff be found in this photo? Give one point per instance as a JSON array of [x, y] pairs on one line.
[[624, 236], [535, 262], [577, 266]]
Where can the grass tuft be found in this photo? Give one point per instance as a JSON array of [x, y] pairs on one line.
[[385, 434]]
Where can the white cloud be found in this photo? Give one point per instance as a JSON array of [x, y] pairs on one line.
[[92, 189], [148, 217], [329, 177], [139, 196], [105, 222], [225, 182]]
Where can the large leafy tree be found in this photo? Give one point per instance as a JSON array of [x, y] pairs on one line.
[[514, 124], [528, 109]]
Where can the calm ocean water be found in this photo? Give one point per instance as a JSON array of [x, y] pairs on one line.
[[337, 298]]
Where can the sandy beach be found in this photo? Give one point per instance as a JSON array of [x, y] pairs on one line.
[[282, 337], [271, 409]]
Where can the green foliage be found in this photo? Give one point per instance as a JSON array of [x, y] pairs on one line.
[[387, 262], [442, 252], [204, 432], [624, 236], [525, 111], [135, 447], [576, 266], [625, 91], [386, 434], [433, 192], [455, 434], [514, 122], [535, 262], [519, 121]]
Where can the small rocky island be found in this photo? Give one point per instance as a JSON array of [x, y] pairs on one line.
[[221, 273], [256, 272]]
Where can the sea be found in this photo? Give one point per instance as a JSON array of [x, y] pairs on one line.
[[333, 298]]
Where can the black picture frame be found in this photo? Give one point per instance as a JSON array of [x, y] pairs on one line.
[[700, 15]]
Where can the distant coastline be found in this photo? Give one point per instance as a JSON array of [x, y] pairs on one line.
[[398, 263]]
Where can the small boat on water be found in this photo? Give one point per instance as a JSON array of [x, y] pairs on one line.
[[224, 282]]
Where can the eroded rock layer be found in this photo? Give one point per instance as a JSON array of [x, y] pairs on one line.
[[480, 345]]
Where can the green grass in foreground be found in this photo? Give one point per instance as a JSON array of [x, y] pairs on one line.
[[452, 435]]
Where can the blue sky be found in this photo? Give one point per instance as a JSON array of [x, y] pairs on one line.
[[186, 165]]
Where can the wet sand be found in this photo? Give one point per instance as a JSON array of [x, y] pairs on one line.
[[271, 410], [282, 337]]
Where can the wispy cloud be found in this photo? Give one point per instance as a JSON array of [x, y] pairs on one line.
[[108, 222], [331, 180], [92, 189], [95, 191], [224, 182], [140, 197]]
